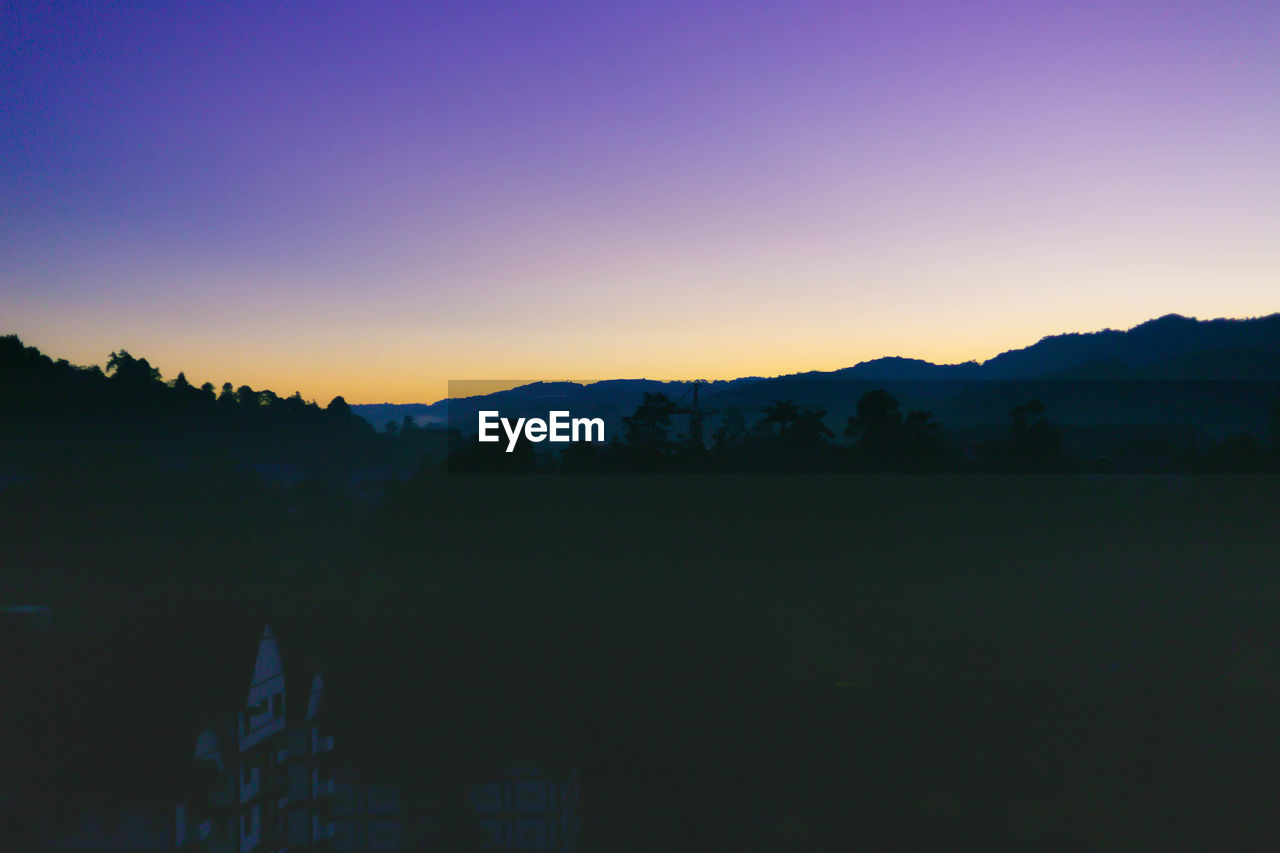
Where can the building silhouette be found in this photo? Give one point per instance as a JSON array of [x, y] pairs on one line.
[[272, 776]]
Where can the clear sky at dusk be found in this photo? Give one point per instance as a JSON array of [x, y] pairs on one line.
[[372, 198]]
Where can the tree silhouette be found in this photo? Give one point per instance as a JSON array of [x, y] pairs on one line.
[[131, 372], [733, 429], [809, 442], [811, 429], [876, 429], [1032, 444], [877, 412], [648, 426], [790, 438], [479, 457], [923, 444], [46, 408], [784, 414], [885, 440]]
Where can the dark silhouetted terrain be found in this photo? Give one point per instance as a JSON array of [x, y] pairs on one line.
[[753, 661]]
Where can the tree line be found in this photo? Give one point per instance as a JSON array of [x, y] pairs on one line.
[[879, 436], [58, 414]]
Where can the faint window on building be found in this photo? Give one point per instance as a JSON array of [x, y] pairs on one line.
[[344, 800], [531, 834], [277, 705], [531, 797], [491, 833], [299, 782], [299, 827], [249, 822], [384, 835], [487, 798], [344, 836], [381, 799]]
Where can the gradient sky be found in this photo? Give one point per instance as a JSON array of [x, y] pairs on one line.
[[369, 199]]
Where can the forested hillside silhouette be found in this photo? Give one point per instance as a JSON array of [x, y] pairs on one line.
[[56, 415], [1013, 659], [880, 437], [1210, 374], [62, 417]]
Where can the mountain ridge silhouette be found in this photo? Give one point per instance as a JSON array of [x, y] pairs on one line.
[[1170, 347]]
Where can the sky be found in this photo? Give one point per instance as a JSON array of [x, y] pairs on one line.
[[371, 199]]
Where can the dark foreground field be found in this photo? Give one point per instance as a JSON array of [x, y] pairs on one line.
[[823, 663]]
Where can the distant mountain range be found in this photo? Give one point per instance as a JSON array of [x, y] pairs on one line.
[[1222, 376]]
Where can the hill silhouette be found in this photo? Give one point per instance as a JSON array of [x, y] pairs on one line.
[[1170, 394], [978, 660], [58, 415], [1220, 377]]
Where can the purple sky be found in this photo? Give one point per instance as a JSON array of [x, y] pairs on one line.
[[372, 198]]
